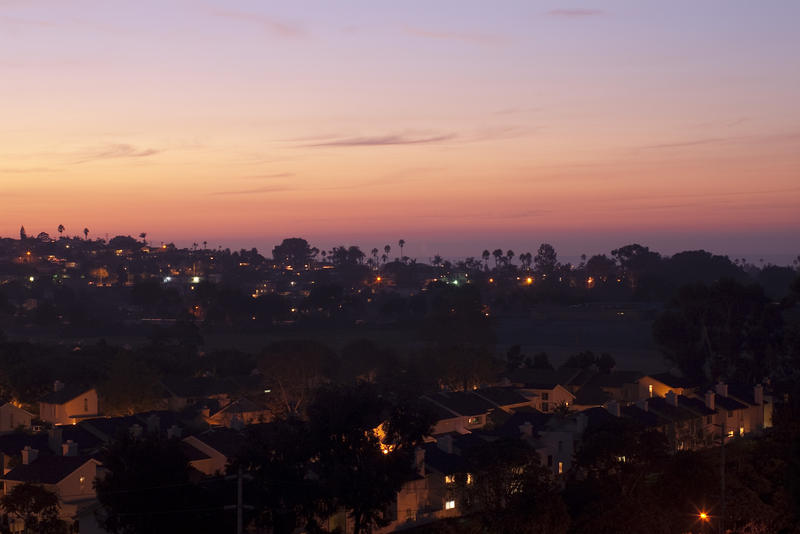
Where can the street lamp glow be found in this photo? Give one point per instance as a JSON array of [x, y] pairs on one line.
[[703, 516]]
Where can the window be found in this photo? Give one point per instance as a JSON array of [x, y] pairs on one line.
[[476, 420], [545, 406], [741, 431], [545, 396], [86, 405], [560, 468], [730, 433], [470, 480], [449, 505], [650, 389], [708, 419], [730, 413], [449, 479]]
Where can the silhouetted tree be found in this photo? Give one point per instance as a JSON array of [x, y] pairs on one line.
[[37, 506], [60, 230], [293, 251], [86, 233], [546, 260], [22, 235]]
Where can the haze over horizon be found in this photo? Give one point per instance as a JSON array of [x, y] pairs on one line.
[[454, 126]]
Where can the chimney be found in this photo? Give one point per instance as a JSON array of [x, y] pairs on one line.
[[758, 394], [526, 429], [153, 424], [136, 431], [174, 432], [55, 439], [58, 385], [29, 455], [642, 405], [710, 400], [614, 408], [419, 461], [722, 389], [672, 398], [70, 448], [445, 442]]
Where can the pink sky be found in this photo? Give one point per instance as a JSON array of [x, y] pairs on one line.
[[457, 126]]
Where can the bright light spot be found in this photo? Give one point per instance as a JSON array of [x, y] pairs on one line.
[[449, 505], [267, 390], [455, 282], [529, 280], [195, 279], [167, 279], [31, 279], [491, 280], [378, 279], [703, 516]]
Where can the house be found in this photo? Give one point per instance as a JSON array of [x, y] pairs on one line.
[[505, 398], [68, 404], [687, 427], [242, 411], [657, 385], [68, 475], [12, 417], [218, 446], [182, 392], [459, 411], [544, 387]]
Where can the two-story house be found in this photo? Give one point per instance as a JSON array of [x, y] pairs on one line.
[[68, 404]]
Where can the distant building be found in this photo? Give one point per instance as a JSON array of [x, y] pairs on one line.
[[68, 404]]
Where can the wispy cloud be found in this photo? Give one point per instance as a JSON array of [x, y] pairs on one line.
[[384, 140], [469, 37], [692, 142], [256, 190], [269, 176], [23, 170], [272, 25], [576, 12], [114, 151]]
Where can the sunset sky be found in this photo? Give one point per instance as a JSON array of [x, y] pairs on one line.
[[455, 125]]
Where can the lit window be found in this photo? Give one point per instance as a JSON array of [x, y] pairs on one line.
[[650, 389], [560, 468], [470, 480], [449, 479], [449, 505], [622, 459], [82, 480], [474, 421], [730, 433], [741, 431]]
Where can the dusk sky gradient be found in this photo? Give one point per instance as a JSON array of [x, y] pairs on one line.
[[455, 125]]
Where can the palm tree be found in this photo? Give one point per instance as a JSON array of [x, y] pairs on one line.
[[205, 245], [86, 233], [498, 253], [510, 255], [375, 257], [485, 255], [143, 235], [402, 243], [60, 230]]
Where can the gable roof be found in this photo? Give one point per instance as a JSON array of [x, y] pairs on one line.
[[591, 395], [462, 402], [502, 396], [48, 469], [729, 404], [672, 381], [65, 394]]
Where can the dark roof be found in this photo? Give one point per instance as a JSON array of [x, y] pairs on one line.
[[192, 453], [536, 418], [597, 417], [438, 412], [462, 402], [742, 392], [543, 378], [668, 411], [728, 403], [502, 396], [646, 419], [591, 395], [65, 394], [672, 381], [240, 406], [85, 439], [695, 405], [47, 469], [11, 444], [615, 379], [443, 462], [224, 440]]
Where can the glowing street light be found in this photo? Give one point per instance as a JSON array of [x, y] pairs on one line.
[[704, 516]]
